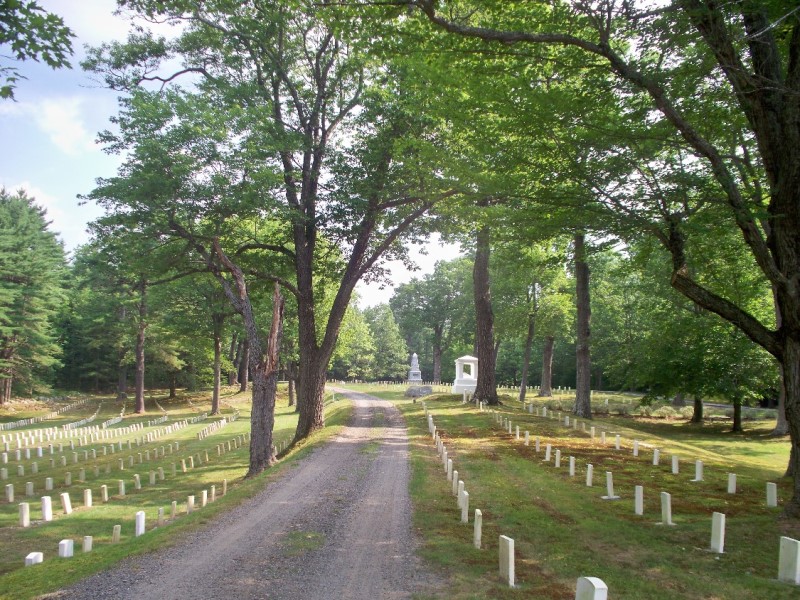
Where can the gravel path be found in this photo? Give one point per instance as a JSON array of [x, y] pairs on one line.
[[338, 525]]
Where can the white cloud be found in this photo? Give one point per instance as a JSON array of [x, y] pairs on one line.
[[62, 121]]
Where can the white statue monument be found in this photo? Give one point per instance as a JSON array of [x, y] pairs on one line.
[[466, 375], [415, 388], [414, 375]]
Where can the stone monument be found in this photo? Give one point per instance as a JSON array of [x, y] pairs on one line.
[[466, 375], [415, 388], [414, 374]]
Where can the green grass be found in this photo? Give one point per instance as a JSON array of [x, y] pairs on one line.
[[564, 530], [17, 581]]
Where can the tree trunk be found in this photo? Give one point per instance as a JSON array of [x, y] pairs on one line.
[[583, 380], [437, 353], [737, 415], [546, 388], [244, 366], [140, 337], [122, 374], [678, 400], [122, 377], [526, 357], [292, 399], [697, 415], [173, 385], [791, 378], [233, 356], [218, 322], [264, 370], [781, 424], [5, 390], [486, 388]]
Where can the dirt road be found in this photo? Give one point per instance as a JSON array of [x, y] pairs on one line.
[[338, 525]]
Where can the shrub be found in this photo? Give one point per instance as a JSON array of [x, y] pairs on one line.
[[665, 412]]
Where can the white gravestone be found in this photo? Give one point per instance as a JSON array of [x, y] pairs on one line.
[[591, 588], [47, 508], [666, 509], [638, 502], [772, 495], [477, 530], [66, 548], [140, 523], [698, 471], [507, 560], [610, 487], [789, 561], [718, 532]]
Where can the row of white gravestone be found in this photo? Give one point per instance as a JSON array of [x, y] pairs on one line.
[[47, 511], [88, 437], [771, 488], [789, 549], [587, 588], [236, 442], [65, 547]]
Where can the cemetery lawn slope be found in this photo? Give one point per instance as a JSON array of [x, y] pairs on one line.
[[18, 582], [564, 530]]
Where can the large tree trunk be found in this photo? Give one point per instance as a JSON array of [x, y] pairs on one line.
[[697, 415], [791, 378], [546, 388], [264, 370], [678, 401], [244, 366], [437, 353], [583, 380], [218, 322], [526, 357], [140, 337], [781, 424], [486, 388], [233, 356]]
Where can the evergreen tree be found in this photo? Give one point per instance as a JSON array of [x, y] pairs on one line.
[[32, 268]]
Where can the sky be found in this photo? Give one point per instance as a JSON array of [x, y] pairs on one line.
[[50, 131]]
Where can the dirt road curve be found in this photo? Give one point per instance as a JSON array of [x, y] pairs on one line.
[[338, 525]]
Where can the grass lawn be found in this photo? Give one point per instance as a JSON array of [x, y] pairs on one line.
[[19, 582], [564, 530]]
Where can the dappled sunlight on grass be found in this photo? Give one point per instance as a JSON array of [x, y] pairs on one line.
[[564, 530]]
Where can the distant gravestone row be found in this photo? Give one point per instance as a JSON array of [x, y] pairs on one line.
[[50, 415]]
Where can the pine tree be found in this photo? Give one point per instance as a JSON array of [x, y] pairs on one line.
[[32, 268]]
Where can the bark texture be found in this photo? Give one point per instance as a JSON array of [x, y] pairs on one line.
[[546, 388], [140, 339], [486, 388], [697, 415], [583, 363], [218, 322], [526, 357]]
